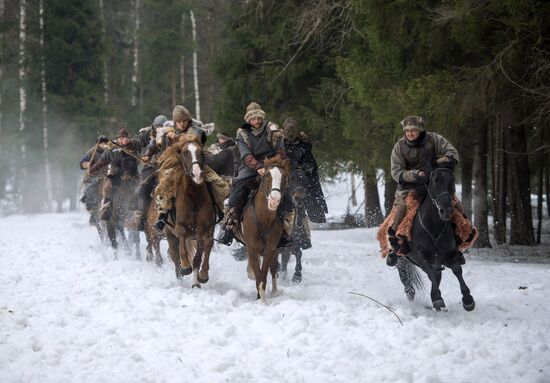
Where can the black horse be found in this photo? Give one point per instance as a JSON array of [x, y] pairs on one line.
[[224, 162], [433, 244]]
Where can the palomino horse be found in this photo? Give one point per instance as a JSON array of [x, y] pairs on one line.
[[190, 231], [433, 240], [262, 225]]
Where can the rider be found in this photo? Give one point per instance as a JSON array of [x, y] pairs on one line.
[[257, 140], [411, 160], [148, 179], [224, 141], [90, 158], [184, 124], [122, 166]]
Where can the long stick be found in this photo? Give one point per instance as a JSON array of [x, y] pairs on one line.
[[381, 304], [132, 155]]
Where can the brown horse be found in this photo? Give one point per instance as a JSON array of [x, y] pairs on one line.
[[262, 225], [190, 231]]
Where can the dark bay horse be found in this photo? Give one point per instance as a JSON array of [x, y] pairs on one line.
[[262, 225], [190, 231], [433, 240]]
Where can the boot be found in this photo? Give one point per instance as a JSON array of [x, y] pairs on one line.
[[105, 210], [161, 221], [391, 259], [230, 218]]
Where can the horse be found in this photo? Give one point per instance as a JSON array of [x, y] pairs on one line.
[[92, 202], [262, 225], [300, 232], [433, 245], [121, 217], [190, 228]]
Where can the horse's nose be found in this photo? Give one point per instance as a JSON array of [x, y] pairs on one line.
[[445, 214]]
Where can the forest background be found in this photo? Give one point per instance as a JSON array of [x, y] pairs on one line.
[[347, 70]]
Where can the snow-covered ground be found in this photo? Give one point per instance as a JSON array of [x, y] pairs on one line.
[[70, 313]]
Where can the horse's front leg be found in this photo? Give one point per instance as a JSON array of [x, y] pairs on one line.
[[435, 279], [208, 241], [274, 268], [297, 278], [467, 300], [285, 257], [184, 264], [173, 251], [197, 260], [254, 267]]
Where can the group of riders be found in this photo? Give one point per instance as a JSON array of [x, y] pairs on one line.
[[111, 163]]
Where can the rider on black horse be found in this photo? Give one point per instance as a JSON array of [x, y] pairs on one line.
[[90, 196], [257, 139], [411, 160]]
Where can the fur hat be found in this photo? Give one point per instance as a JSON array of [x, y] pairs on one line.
[[122, 133], [159, 120], [254, 110], [413, 122], [180, 113]]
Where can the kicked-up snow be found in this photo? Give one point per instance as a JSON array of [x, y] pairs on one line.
[[69, 312]]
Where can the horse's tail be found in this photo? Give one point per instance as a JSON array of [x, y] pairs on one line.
[[409, 274]]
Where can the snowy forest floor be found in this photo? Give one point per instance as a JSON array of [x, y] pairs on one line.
[[69, 312]]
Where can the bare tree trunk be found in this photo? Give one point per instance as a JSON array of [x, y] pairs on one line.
[[547, 186], [105, 67], [467, 164], [3, 166], [521, 224], [480, 191], [173, 86], [390, 186], [23, 94], [539, 198], [373, 213], [195, 67], [353, 190], [499, 182], [182, 63], [47, 171], [135, 71]]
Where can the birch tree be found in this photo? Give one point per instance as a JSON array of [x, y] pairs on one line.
[[135, 66], [195, 67], [105, 67], [22, 84]]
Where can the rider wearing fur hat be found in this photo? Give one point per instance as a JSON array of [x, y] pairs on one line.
[[257, 140], [412, 158]]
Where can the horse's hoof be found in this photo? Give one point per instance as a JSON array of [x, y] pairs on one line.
[[297, 278], [410, 294], [202, 280], [469, 306], [196, 285], [159, 262], [186, 271], [439, 304]]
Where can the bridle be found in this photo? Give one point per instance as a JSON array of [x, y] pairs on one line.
[[189, 171], [272, 189], [435, 199]]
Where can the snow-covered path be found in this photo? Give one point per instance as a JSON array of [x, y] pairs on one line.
[[69, 313]]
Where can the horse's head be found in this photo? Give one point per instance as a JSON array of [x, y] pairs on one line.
[[275, 181], [192, 158], [441, 188]]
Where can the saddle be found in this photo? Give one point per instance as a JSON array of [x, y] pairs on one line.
[[465, 233]]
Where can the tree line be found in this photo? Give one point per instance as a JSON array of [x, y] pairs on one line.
[[348, 70]]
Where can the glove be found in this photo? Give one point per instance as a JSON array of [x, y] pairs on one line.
[[421, 178], [443, 160]]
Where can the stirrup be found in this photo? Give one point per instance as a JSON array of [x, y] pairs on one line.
[[225, 237], [159, 225]]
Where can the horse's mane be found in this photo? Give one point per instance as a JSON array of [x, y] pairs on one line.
[[277, 161], [171, 155]]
